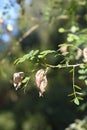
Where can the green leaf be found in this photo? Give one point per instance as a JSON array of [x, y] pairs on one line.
[[19, 60], [76, 86], [85, 82], [65, 53], [71, 94], [71, 70], [61, 30], [80, 98], [81, 71], [46, 52], [22, 59], [82, 66], [83, 106], [82, 77], [31, 55], [35, 52], [25, 79], [56, 55], [65, 44], [79, 93], [27, 56], [85, 70], [76, 101]]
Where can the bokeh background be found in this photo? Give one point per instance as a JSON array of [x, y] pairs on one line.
[[35, 24]]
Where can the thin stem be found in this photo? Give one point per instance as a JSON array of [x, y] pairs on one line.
[[73, 78], [67, 66], [64, 66], [28, 32]]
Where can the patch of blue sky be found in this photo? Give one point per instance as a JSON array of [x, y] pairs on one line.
[[15, 11], [9, 12], [9, 15], [7, 2], [6, 38]]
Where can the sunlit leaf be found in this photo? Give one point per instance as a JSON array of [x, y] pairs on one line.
[[44, 53], [25, 79], [76, 101], [66, 44], [76, 86], [82, 77], [19, 60], [79, 93], [71, 70], [65, 53], [80, 98], [71, 94], [81, 71], [35, 52], [61, 30], [82, 66], [47, 52], [85, 70], [31, 55], [85, 82]]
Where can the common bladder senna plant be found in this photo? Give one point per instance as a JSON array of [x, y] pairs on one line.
[[70, 53]]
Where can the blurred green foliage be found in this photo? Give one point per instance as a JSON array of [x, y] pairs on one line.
[[78, 124], [7, 121], [36, 122]]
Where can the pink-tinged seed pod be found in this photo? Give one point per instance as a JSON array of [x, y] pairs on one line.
[[79, 53], [63, 49], [85, 53], [17, 79], [41, 81]]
